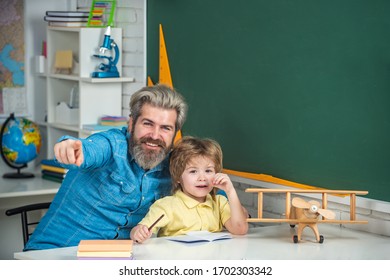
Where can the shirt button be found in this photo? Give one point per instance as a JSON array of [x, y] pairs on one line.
[[143, 198]]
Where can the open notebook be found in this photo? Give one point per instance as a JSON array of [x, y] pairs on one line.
[[200, 236]]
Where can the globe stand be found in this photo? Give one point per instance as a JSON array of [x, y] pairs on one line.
[[18, 174]]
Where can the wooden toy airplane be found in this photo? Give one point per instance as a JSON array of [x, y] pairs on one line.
[[307, 213]]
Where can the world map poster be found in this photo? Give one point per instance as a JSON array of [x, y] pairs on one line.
[[11, 52]]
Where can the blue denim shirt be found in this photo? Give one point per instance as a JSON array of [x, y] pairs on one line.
[[104, 198]]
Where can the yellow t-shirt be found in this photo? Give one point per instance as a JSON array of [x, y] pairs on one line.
[[183, 214]]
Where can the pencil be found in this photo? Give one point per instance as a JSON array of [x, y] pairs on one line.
[[150, 228]]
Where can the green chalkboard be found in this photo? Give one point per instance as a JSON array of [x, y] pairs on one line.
[[297, 89]]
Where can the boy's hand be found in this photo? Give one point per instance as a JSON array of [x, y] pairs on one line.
[[69, 152], [140, 233]]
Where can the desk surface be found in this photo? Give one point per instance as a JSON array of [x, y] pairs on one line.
[[27, 187], [270, 243]]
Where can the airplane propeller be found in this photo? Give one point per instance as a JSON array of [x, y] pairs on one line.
[[313, 208]]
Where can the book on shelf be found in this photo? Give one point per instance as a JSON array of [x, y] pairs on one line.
[[68, 13], [99, 127], [200, 236], [113, 120], [52, 178], [51, 162], [116, 123], [65, 19], [53, 166], [68, 24], [59, 175], [105, 249]]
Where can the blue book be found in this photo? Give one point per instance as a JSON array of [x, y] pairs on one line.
[[53, 174], [51, 162]]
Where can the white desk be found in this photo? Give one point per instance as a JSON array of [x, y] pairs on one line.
[[10, 188], [268, 243], [15, 193]]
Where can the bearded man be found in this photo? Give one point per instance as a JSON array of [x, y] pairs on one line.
[[114, 176]]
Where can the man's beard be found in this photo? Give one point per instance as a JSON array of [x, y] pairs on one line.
[[148, 159]]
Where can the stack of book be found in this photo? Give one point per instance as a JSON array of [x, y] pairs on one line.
[[52, 170], [97, 127], [105, 249], [67, 18], [106, 123], [113, 120]]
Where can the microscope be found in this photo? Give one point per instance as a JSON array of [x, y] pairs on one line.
[[109, 69]]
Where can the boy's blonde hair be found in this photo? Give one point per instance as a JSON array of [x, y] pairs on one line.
[[186, 149]]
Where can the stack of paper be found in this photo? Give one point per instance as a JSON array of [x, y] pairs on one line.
[[105, 249]]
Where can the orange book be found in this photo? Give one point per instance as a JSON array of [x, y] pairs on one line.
[[54, 168], [107, 254], [105, 245]]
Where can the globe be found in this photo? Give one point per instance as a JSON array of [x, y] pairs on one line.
[[21, 142]]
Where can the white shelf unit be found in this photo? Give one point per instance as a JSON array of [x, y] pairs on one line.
[[97, 96]]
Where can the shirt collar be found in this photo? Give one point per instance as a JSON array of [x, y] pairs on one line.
[[190, 202]]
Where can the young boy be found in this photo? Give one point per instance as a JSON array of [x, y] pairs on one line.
[[195, 167]]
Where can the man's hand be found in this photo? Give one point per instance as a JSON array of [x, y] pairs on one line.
[[69, 152]]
